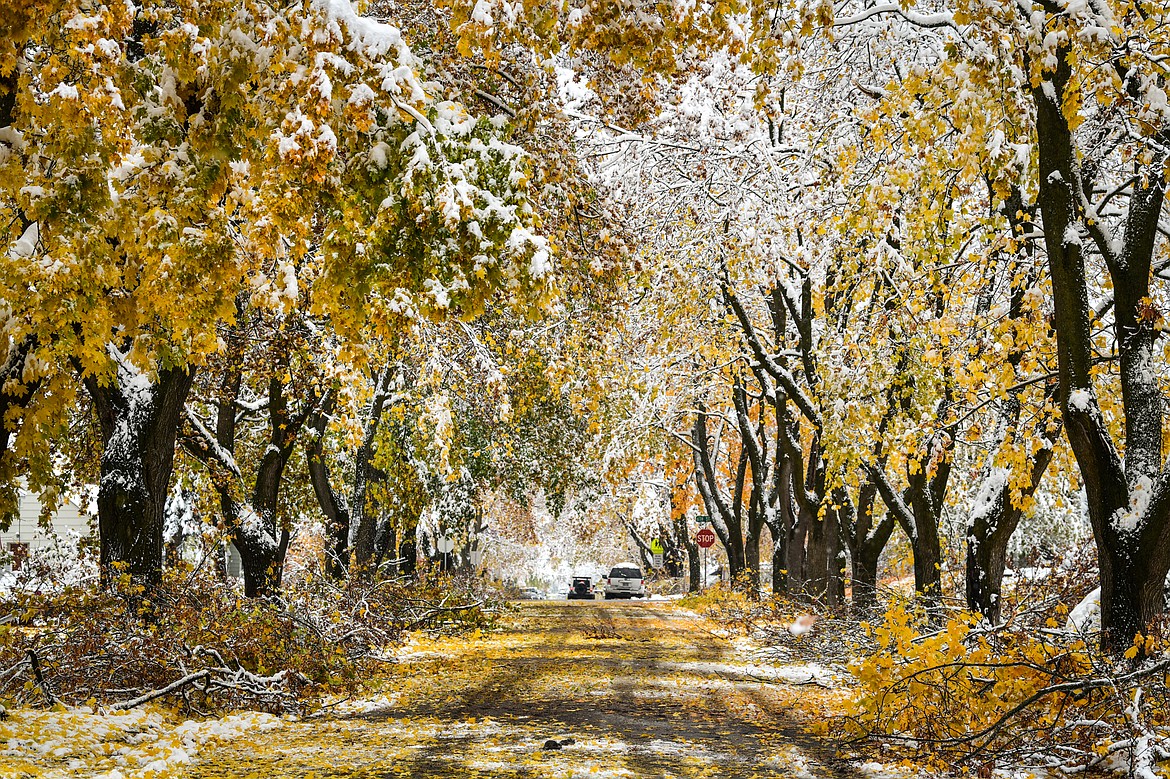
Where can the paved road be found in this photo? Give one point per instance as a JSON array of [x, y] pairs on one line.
[[634, 689]]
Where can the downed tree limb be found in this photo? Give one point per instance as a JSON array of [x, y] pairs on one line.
[[174, 686], [432, 613], [39, 676]]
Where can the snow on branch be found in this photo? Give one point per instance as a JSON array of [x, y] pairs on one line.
[[210, 446], [935, 20]]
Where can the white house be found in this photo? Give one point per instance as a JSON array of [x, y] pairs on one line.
[[25, 536]]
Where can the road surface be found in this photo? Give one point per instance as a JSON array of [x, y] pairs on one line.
[[632, 689]]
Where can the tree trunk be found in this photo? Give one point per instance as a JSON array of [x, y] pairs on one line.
[[254, 525], [386, 543], [332, 504], [140, 424], [816, 585], [993, 520], [779, 579], [865, 558], [914, 510], [751, 563], [262, 561], [1133, 556], [407, 556], [694, 574], [838, 562], [986, 559], [865, 573], [796, 548], [869, 540], [782, 526], [724, 513], [640, 544], [672, 551], [928, 565]]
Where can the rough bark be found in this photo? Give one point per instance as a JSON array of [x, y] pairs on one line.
[[139, 421], [1133, 551]]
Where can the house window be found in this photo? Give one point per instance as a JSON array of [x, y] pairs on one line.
[[18, 551]]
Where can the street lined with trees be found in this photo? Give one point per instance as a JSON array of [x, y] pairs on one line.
[[350, 292]]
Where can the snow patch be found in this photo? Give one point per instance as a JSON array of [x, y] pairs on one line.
[[1129, 519], [26, 245], [1080, 400], [1086, 616], [989, 493]]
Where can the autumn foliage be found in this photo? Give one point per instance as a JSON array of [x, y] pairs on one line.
[[1026, 692], [277, 654]]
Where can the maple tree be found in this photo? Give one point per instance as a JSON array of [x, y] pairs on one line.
[[161, 160], [1059, 93]]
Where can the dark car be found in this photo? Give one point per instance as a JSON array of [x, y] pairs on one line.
[[581, 588]]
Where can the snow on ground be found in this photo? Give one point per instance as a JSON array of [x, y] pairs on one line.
[[144, 742], [806, 673], [793, 763], [349, 707], [1085, 618], [873, 770]]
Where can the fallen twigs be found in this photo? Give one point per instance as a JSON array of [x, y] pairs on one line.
[[199, 642], [976, 695], [427, 618], [175, 686]]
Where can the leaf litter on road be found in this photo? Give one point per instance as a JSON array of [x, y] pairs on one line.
[[625, 690]]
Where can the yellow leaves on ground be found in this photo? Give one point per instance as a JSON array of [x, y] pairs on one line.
[[146, 742], [629, 690]]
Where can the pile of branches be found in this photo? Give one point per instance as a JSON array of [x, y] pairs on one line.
[[942, 687], [786, 629], [197, 640], [954, 691]]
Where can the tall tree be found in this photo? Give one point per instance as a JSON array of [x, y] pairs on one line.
[[169, 156], [265, 389]]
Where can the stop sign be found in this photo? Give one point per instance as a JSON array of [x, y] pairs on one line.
[[705, 538]]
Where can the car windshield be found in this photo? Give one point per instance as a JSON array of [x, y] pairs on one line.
[[578, 582], [625, 573]]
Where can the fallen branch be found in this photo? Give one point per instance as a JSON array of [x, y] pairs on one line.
[[35, 662], [436, 611], [174, 686]]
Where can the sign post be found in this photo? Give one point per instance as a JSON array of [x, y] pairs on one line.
[[656, 553], [446, 545], [705, 538]]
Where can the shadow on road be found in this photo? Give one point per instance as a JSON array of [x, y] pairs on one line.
[[627, 689]]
